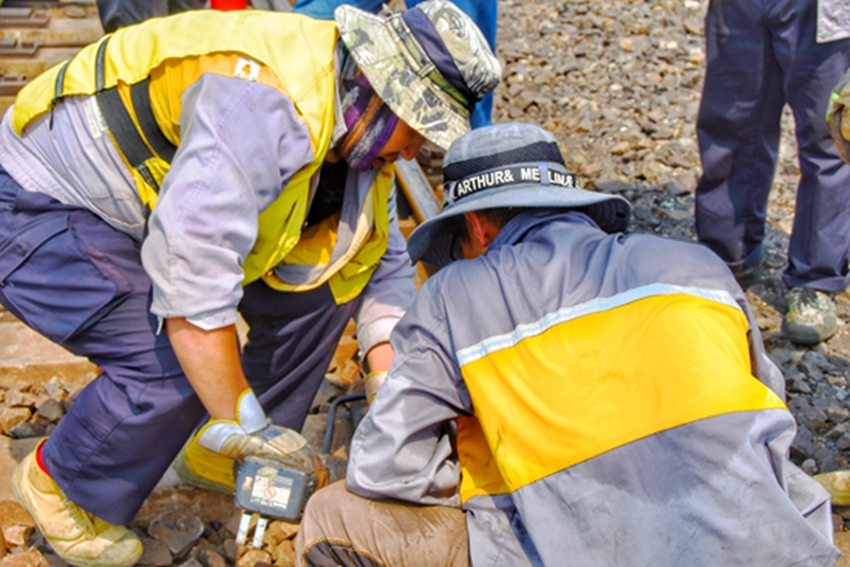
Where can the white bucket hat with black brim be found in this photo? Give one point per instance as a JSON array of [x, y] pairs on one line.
[[429, 64], [505, 166]]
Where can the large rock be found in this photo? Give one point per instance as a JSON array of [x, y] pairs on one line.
[[155, 553], [12, 417], [179, 529], [31, 558]]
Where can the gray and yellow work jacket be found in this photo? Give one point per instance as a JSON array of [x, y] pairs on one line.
[[613, 406], [218, 123]]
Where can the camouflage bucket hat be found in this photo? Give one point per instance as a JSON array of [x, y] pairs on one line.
[[429, 64]]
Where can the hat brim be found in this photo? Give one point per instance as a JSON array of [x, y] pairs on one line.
[[376, 49], [431, 243]]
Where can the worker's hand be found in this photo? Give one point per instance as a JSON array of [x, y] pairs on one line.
[[253, 434], [838, 116], [273, 441], [280, 444]]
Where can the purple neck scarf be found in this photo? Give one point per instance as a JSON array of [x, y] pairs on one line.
[[370, 122]]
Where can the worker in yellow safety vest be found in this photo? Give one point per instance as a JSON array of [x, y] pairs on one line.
[[188, 168]]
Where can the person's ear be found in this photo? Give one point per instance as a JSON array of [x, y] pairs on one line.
[[478, 233]]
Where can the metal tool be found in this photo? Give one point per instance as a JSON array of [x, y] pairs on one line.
[[417, 189], [272, 489], [329, 431]]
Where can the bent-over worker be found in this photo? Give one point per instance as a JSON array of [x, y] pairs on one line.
[[610, 395], [191, 166]]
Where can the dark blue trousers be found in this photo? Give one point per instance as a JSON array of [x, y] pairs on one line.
[[291, 342], [760, 55], [79, 282], [116, 14]]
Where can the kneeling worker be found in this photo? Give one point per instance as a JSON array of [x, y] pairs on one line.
[[610, 395], [190, 167]]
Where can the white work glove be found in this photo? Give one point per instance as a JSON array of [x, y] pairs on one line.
[[838, 116], [252, 433]]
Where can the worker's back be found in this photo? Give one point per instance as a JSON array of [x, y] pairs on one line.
[[615, 404]]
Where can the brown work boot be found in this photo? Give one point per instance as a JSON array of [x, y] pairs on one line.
[[78, 537]]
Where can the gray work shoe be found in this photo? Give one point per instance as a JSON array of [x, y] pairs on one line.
[[811, 316]]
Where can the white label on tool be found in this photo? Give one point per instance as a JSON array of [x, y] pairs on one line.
[[247, 69], [264, 490], [97, 124]]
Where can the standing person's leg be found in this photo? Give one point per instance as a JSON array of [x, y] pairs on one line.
[[291, 342], [738, 129], [80, 282], [177, 6], [485, 15], [818, 249], [341, 528], [820, 240], [324, 9], [116, 14]]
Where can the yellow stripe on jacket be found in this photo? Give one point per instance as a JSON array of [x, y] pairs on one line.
[[588, 385]]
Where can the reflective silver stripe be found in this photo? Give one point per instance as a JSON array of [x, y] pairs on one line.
[[508, 340], [99, 71], [59, 86]]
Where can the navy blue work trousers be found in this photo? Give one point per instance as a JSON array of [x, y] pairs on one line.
[[761, 54], [116, 14], [79, 282]]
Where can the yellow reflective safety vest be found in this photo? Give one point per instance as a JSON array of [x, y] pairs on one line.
[[633, 368], [144, 70]]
